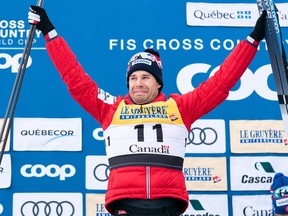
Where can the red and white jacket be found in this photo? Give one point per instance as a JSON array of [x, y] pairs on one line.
[[145, 144]]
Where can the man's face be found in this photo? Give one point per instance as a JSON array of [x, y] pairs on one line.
[[143, 87]]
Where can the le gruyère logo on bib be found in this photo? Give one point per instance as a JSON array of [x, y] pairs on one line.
[[130, 112]]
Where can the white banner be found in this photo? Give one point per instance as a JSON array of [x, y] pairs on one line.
[[252, 205], [255, 173], [97, 172], [47, 134], [241, 15], [207, 136], [53, 203], [255, 136], [5, 171], [95, 205], [204, 204], [205, 173]]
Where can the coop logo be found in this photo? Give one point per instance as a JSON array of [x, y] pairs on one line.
[[98, 134], [263, 167], [52, 171], [12, 62], [250, 82]]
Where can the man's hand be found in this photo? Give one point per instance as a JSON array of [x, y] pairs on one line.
[[258, 32], [38, 16]]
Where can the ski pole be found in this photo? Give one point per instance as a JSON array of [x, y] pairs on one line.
[[9, 115]]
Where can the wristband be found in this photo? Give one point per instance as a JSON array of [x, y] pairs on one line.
[[52, 34], [252, 41]]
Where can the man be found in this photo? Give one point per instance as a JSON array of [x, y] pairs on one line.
[[279, 190], [144, 131]]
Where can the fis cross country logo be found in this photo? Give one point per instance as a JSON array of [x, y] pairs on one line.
[[198, 136], [47, 208]]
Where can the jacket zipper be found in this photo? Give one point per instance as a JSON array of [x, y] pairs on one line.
[[148, 182]]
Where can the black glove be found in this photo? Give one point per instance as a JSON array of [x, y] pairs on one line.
[[258, 32], [38, 16]]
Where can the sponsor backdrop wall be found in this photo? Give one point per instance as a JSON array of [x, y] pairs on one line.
[[55, 156]]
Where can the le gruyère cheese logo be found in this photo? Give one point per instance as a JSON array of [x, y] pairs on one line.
[[132, 112]]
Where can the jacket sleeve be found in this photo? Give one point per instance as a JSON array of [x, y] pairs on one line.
[[81, 87], [215, 90]]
